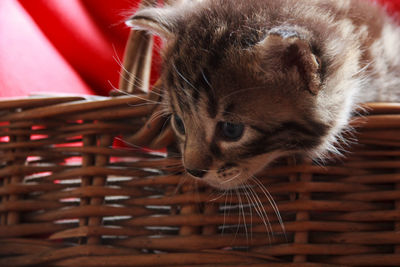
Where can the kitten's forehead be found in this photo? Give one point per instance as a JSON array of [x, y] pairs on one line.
[[205, 44], [211, 65]]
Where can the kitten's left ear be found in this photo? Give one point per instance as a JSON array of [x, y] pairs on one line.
[[293, 50], [158, 21]]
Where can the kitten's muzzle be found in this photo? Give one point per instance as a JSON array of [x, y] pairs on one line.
[[196, 173]]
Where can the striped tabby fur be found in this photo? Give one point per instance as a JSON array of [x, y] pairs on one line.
[[250, 81]]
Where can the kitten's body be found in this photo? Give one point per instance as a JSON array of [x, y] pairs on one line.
[[289, 72]]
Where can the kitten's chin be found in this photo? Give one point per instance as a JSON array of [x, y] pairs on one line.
[[243, 173]]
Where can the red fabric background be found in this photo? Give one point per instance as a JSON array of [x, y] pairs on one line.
[[66, 46]]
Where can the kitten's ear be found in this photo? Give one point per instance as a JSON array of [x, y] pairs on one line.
[[158, 21], [293, 50]]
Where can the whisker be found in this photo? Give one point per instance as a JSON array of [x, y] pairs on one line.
[[217, 197], [183, 77], [179, 185], [238, 225], [139, 97], [167, 121], [261, 212], [157, 115], [231, 179], [130, 94], [223, 225], [208, 83], [188, 82], [272, 203], [133, 80], [230, 202], [250, 202], [119, 90], [243, 214], [133, 77]]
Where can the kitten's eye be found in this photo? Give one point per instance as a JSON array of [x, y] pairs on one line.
[[179, 124], [232, 131]]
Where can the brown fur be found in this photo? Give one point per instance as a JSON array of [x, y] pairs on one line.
[[288, 70]]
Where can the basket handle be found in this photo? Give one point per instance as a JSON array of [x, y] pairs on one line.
[[156, 133], [136, 66]]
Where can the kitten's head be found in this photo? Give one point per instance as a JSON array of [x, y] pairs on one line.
[[241, 93]]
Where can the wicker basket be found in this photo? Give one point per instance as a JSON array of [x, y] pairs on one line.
[[71, 196]]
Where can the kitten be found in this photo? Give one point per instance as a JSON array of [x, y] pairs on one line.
[[249, 81]]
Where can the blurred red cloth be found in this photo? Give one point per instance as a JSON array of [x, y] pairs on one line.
[[66, 46], [392, 6]]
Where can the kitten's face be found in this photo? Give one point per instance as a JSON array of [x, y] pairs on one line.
[[230, 124], [240, 96]]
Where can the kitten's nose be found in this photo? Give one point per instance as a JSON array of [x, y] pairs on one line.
[[196, 173]]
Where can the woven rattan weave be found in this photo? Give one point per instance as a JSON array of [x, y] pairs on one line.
[[77, 188], [69, 198]]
